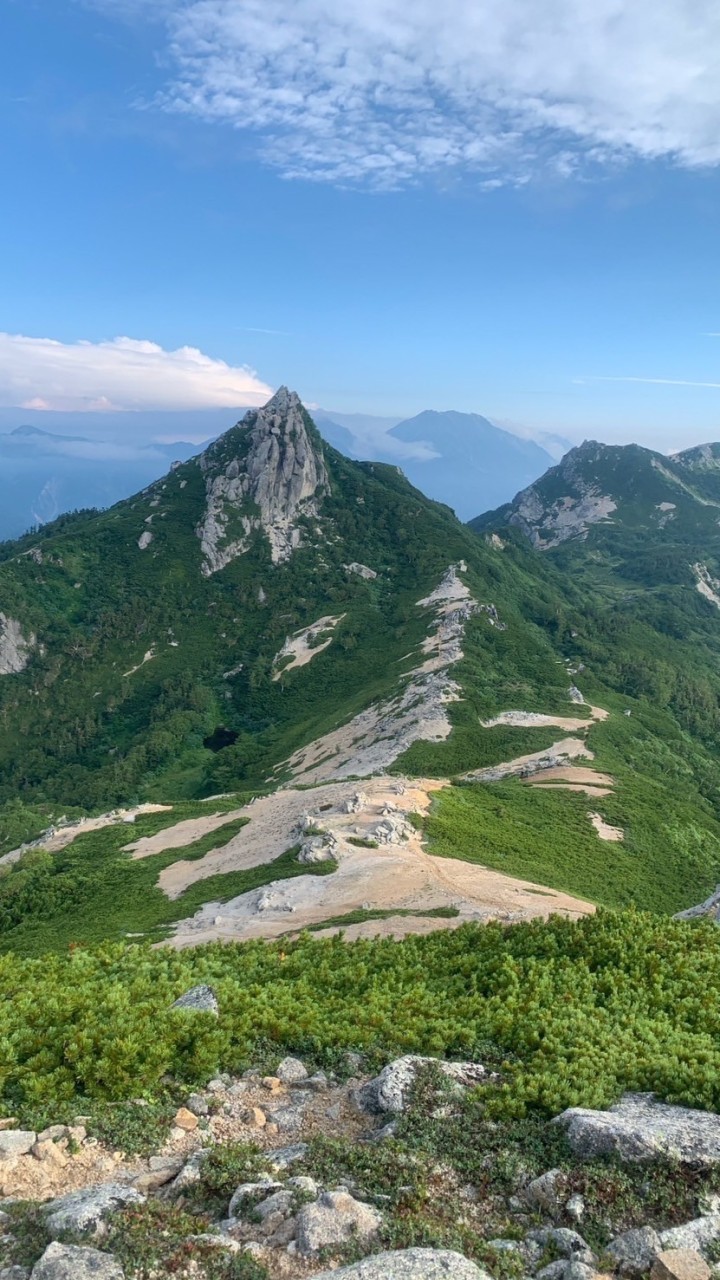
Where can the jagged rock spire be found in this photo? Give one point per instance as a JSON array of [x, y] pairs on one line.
[[278, 469]]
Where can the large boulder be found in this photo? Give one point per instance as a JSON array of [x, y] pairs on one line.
[[390, 1090], [201, 999], [66, 1262], [409, 1264], [640, 1128], [86, 1210], [334, 1219]]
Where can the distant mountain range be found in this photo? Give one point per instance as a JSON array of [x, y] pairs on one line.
[[43, 474], [460, 459]]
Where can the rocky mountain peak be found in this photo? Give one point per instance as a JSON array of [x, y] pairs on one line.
[[269, 473]]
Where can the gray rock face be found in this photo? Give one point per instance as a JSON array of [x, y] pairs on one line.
[[276, 485], [640, 1128], [66, 1262], [16, 1142], [697, 1235], [15, 648], [409, 1264], [334, 1219], [85, 1210], [635, 1251], [548, 524], [201, 998], [710, 908], [390, 1090]]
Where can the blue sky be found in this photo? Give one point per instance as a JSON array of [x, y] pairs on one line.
[[509, 207]]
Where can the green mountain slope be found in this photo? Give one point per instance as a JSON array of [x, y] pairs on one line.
[[136, 642]]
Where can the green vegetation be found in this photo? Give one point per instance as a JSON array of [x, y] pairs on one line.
[[360, 916], [576, 1012], [92, 890]]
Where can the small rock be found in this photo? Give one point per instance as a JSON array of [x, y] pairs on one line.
[[334, 1219], [634, 1251], [198, 1105], [283, 1234], [50, 1153], [410, 1264], [680, 1264], [283, 1157], [554, 1270], [567, 1242], [546, 1191], [66, 1262], [8, 1123], [292, 1071], [254, 1117], [176, 1134], [389, 1091], [280, 1202], [16, 1142], [53, 1133], [305, 1185], [289, 1119], [14, 1273], [272, 1083], [251, 1192], [201, 999], [162, 1170], [318, 1081], [185, 1119], [575, 1208], [218, 1086], [190, 1172], [85, 1210]]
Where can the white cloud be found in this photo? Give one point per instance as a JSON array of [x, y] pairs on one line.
[[384, 91], [125, 373]]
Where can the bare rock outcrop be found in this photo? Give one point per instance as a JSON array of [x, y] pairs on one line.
[[15, 647], [410, 1264], [276, 484], [709, 909]]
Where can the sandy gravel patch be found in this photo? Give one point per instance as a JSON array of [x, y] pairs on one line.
[[57, 838], [604, 830], [535, 720], [395, 876], [574, 773], [182, 834], [304, 645], [276, 824], [570, 786]]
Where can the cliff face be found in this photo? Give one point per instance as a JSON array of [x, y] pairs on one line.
[[14, 646], [274, 482]]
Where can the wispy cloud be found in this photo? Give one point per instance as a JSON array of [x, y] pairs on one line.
[[125, 373], [383, 92], [661, 382]]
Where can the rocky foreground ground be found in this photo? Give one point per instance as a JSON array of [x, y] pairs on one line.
[[400, 1176]]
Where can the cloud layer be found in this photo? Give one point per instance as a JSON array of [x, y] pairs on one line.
[[385, 91], [40, 373]]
